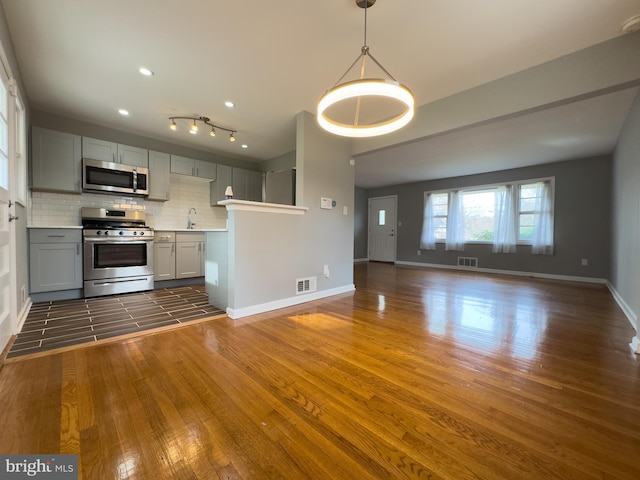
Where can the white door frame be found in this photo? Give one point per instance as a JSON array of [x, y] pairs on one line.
[[391, 231]]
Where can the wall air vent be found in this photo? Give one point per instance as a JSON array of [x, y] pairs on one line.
[[306, 285], [468, 262]]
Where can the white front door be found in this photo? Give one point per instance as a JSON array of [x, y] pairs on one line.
[[6, 230], [382, 229]]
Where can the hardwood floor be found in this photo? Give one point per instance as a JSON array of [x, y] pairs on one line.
[[418, 374]]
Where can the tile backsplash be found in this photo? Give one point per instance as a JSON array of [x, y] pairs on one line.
[[63, 209]]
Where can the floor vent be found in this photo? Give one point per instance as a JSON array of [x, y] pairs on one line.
[[306, 285], [468, 262]]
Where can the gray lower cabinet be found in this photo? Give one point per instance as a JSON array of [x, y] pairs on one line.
[[159, 176], [56, 161], [55, 259], [190, 254], [164, 256]]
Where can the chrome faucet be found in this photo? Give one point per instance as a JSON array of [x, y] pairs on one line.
[[190, 223]]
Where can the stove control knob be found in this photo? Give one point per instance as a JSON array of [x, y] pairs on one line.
[[106, 232], [121, 232], [98, 232], [135, 233], [141, 233]]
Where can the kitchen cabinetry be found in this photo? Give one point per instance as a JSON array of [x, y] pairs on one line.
[[246, 184], [56, 161], [114, 152], [190, 254], [224, 177], [194, 168], [159, 176], [164, 256], [55, 259]]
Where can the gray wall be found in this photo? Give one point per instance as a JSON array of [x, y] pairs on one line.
[[360, 224], [282, 162], [625, 263], [582, 220], [263, 273]]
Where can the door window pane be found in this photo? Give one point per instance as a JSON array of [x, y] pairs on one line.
[[382, 218]]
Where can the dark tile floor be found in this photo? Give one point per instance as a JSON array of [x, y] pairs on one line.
[[52, 325]]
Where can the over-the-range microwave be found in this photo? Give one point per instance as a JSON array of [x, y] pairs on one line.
[[108, 177]]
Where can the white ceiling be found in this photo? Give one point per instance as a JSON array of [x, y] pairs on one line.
[[79, 59]]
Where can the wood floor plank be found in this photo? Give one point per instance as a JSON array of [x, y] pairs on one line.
[[418, 374]]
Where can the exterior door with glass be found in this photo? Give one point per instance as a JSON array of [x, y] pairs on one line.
[[382, 229]]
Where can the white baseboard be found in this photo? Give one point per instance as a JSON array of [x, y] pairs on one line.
[[22, 316], [360, 260], [626, 309], [235, 313], [635, 345], [548, 276]]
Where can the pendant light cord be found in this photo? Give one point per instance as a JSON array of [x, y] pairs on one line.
[[366, 5]]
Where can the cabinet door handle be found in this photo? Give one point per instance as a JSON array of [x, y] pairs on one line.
[[77, 249], [55, 236], [113, 155], [173, 248]]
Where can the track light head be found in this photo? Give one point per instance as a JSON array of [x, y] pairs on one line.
[[193, 129]]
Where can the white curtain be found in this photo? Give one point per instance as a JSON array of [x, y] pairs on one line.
[[542, 242], [455, 223], [428, 237], [504, 238]]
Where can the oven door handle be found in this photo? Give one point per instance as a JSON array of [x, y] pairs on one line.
[[138, 241]]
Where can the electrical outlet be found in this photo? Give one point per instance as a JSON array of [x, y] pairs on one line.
[[419, 252], [326, 271], [585, 262]]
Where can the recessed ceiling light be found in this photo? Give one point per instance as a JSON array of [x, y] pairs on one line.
[[123, 112], [145, 71], [244, 145], [229, 104]]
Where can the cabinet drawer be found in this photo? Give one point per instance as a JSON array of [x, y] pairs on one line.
[[55, 235], [190, 237], [164, 237]]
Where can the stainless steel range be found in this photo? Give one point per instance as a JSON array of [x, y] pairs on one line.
[[118, 252]]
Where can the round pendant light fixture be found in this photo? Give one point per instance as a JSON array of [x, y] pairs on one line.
[[331, 107]]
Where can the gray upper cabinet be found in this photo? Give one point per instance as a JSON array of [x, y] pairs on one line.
[[193, 168], [56, 161], [224, 177], [159, 176], [246, 184], [114, 152]]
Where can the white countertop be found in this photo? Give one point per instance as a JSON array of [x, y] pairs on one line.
[[194, 230], [79, 227]]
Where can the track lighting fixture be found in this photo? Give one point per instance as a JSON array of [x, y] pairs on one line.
[[362, 93], [194, 127]]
